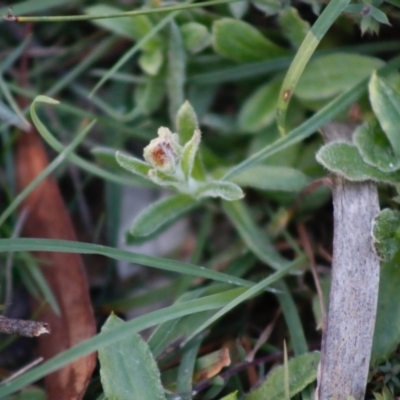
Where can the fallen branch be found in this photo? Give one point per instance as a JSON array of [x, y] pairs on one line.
[[23, 327]]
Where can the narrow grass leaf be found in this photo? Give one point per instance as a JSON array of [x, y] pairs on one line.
[[45, 173], [118, 333], [311, 125], [249, 293], [65, 246], [57, 146], [306, 50], [127, 367], [254, 237]]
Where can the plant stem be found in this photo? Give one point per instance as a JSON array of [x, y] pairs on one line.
[[86, 17], [349, 328]]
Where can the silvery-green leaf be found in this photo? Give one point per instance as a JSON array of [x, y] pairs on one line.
[[186, 122], [162, 213], [127, 368], [385, 101], [195, 36], [293, 26], [189, 154], [224, 189], [344, 159], [133, 164], [375, 148], [151, 61]]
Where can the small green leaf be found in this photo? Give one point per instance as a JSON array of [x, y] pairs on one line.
[[242, 42], [294, 27], [345, 160], [379, 15], [186, 122], [224, 189], [151, 61], [386, 233], [133, 164], [189, 154], [375, 148], [385, 101], [265, 177], [258, 111], [302, 371], [127, 367], [149, 95], [129, 27], [387, 325], [195, 36], [332, 74], [230, 396], [162, 213]]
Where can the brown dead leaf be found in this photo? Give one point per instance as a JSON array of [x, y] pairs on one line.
[[48, 218]]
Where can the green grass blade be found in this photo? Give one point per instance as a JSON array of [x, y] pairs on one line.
[[57, 146], [45, 173], [65, 246], [303, 55], [256, 289], [254, 238], [121, 332], [314, 123]]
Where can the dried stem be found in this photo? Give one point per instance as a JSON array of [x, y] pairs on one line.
[[23, 327], [349, 328]]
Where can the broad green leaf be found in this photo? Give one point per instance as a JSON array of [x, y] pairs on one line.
[[129, 27], [386, 233], [224, 189], [345, 160], [387, 325], [161, 213], [127, 367], [242, 42], [375, 148], [176, 70], [133, 164], [195, 36], [255, 239], [293, 26], [302, 372], [332, 74], [266, 177], [385, 101], [258, 111]]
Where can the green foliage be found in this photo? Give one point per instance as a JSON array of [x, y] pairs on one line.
[[127, 367], [302, 371], [223, 78]]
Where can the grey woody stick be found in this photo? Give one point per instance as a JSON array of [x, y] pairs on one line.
[[349, 328]]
